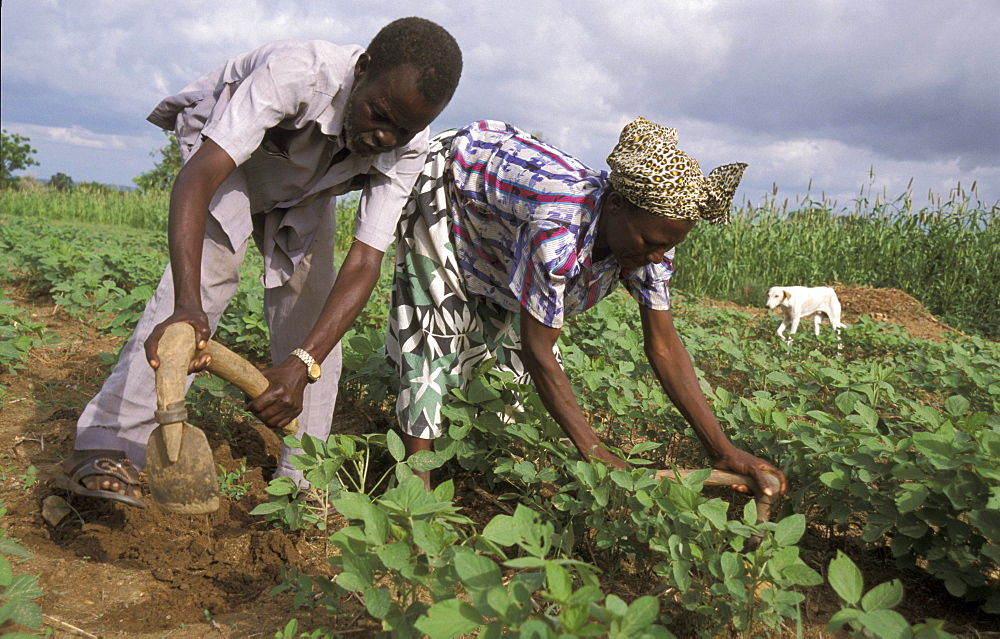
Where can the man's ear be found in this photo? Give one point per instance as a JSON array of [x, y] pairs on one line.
[[361, 66]]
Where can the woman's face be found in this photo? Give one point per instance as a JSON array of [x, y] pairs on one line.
[[638, 238]]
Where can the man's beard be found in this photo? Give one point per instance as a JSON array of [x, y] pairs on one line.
[[352, 137]]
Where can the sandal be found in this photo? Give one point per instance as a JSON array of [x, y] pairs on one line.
[[108, 463]]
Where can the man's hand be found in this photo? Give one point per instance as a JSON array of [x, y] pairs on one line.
[[743, 463], [282, 401], [196, 318]]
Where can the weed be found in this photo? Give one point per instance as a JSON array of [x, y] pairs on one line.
[[230, 484]]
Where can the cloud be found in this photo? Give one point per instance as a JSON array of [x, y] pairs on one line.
[[72, 136], [802, 91]]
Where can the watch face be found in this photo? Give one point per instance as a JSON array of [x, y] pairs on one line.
[[314, 372]]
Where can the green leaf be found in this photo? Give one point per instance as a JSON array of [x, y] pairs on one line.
[[716, 511], [938, 448], [835, 479], [476, 571], [352, 505], [641, 614], [912, 497], [11, 547], [802, 575], [956, 405], [23, 612], [268, 508], [425, 460], [842, 617], [885, 624], [479, 392], [955, 586], [377, 601], [23, 587], [501, 530], [559, 581], [395, 445], [6, 572], [883, 596], [525, 562], [643, 447], [449, 618], [779, 378], [790, 530], [395, 556], [845, 578], [988, 523], [845, 401]]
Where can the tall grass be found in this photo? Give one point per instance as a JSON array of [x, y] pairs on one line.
[[145, 211], [945, 254], [141, 210]]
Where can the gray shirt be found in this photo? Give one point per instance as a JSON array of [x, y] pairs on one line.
[[278, 111]]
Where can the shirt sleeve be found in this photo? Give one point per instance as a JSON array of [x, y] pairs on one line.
[[385, 195], [544, 257], [278, 88], [650, 286]]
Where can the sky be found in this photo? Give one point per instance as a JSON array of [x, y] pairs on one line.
[[842, 99]]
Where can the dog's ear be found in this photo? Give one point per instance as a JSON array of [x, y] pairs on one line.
[[785, 294]]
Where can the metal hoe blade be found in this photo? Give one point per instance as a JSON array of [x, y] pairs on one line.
[[179, 462]]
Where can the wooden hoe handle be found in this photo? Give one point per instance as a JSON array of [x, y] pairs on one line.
[[175, 350], [242, 374]]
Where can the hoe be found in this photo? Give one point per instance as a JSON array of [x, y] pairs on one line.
[[179, 461]]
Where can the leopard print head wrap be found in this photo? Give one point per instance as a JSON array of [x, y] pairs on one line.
[[653, 174]]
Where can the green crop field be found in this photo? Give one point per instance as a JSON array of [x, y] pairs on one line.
[[891, 444]]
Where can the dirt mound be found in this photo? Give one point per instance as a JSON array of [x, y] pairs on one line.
[[892, 306]]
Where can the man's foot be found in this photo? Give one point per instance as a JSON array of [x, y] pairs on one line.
[[104, 474]]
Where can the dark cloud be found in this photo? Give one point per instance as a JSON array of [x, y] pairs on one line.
[[806, 90]]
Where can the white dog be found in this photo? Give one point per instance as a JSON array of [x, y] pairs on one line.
[[798, 302]]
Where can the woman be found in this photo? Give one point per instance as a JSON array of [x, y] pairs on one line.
[[504, 237]]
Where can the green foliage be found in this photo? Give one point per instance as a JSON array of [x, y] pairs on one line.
[[15, 155], [870, 614], [18, 335], [88, 204], [407, 553], [61, 182], [161, 177], [230, 484], [339, 464], [17, 592]]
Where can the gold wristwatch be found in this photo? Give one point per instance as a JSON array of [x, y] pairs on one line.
[[313, 371]]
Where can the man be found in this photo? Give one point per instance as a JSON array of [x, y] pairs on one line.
[[506, 236], [269, 140]]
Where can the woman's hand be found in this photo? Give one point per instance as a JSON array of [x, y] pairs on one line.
[[743, 463]]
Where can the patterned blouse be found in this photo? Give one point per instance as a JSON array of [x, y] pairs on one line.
[[525, 221]]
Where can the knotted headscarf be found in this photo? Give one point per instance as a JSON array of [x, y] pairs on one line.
[[653, 174]]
